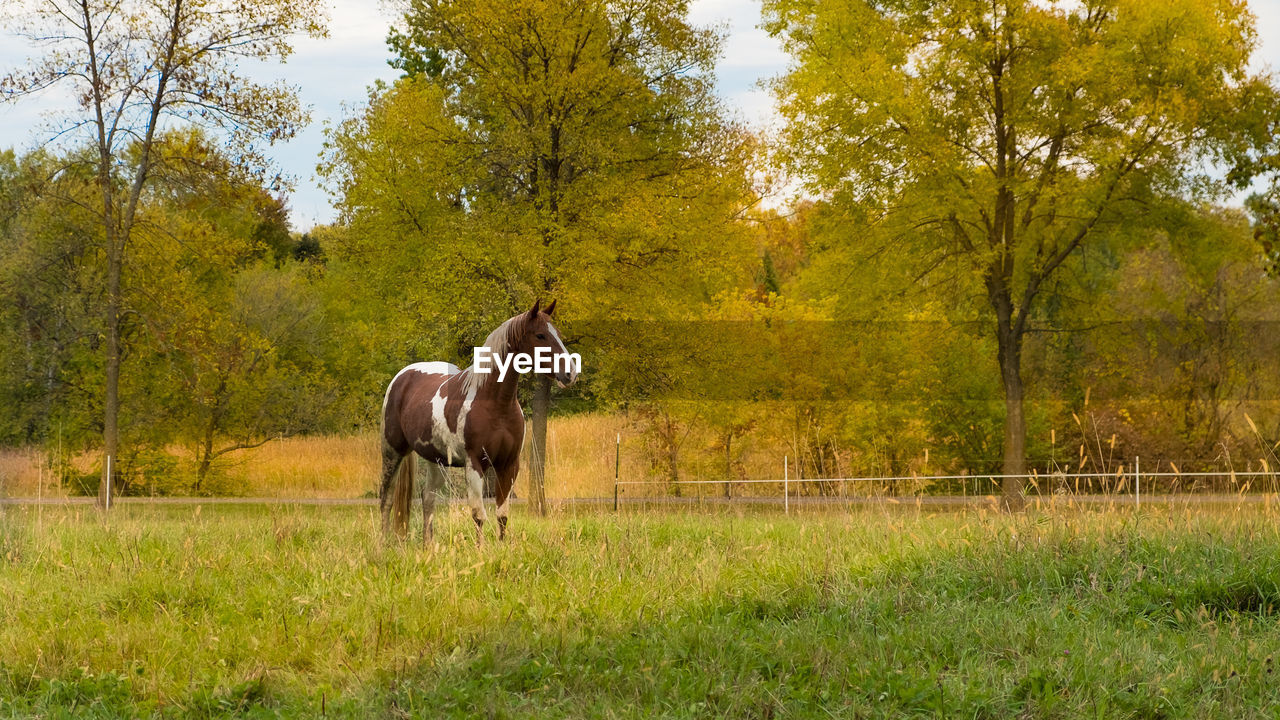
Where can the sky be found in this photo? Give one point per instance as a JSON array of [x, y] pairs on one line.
[[332, 76]]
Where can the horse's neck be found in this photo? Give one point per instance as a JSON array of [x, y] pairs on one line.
[[506, 391], [500, 392]]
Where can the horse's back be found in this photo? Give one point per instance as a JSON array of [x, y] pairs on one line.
[[414, 382]]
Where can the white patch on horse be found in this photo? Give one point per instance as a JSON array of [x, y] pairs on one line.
[[564, 349], [475, 492], [450, 443], [435, 367], [556, 335]]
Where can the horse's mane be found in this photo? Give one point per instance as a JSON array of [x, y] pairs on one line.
[[498, 343]]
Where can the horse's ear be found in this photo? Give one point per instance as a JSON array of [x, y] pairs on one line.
[[550, 308], [533, 312]]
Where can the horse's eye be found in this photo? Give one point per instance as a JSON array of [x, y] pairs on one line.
[[542, 336]]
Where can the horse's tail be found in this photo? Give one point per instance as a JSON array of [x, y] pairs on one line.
[[402, 497]]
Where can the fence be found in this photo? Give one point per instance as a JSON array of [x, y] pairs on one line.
[[1132, 486]]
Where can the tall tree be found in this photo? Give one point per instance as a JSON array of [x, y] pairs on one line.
[[555, 148], [135, 65], [1000, 136]]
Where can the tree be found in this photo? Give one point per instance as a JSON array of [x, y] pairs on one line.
[[1194, 351], [226, 348], [561, 148], [242, 365], [51, 298], [234, 347], [135, 66], [1000, 138], [1265, 211]]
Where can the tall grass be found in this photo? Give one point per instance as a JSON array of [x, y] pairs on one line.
[[299, 612], [21, 471], [318, 466]]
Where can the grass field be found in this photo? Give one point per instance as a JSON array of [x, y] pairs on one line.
[[300, 611]]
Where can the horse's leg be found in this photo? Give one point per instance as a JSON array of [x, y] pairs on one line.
[[434, 481], [428, 496], [506, 481], [391, 459], [475, 493]]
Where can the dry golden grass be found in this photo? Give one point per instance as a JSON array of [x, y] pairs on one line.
[[320, 466], [580, 456], [324, 466], [25, 472], [580, 463], [581, 452], [20, 471]]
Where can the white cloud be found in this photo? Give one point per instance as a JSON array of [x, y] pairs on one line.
[[1267, 15], [754, 48]]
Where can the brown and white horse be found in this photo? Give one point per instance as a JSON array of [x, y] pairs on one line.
[[462, 418]]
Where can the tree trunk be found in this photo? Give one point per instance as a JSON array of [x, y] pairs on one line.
[[728, 463], [538, 445], [111, 401], [673, 463], [206, 456], [1015, 426]]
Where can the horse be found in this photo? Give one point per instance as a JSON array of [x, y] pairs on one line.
[[455, 417]]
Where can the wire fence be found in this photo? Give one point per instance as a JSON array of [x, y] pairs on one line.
[[1125, 486]]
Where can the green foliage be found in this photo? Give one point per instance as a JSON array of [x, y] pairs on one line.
[[999, 141], [228, 341], [1191, 347], [411, 52], [51, 281], [137, 69], [307, 248], [238, 334], [573, 150], [769, 275], [1265, 211]]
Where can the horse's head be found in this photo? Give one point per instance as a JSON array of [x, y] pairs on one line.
[[540, 333]]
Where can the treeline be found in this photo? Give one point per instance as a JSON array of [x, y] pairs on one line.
[[227, 331], [1016, 253]]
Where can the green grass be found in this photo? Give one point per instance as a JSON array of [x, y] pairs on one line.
[[185, 612]]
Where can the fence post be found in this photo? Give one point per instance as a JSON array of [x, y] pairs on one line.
[[40, 500], [1137, 481], [617, 461], [786, 483], [108, 506]]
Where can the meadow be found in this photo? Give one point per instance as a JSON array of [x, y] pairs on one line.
[[293, 611]]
